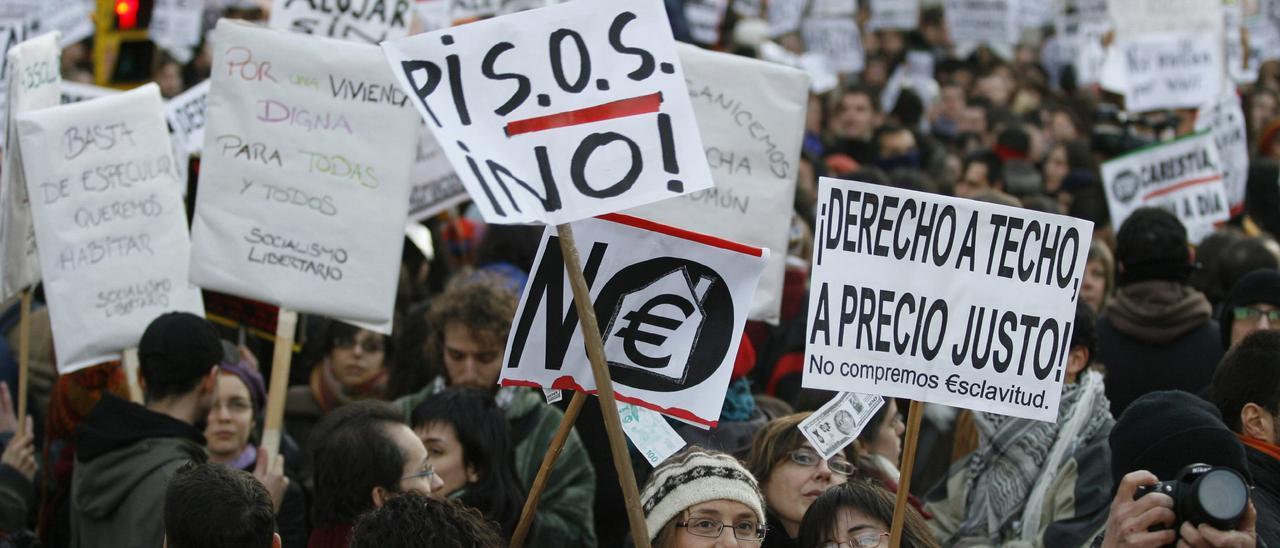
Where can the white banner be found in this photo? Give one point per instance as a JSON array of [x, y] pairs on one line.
[[982, 21], [704, 19], [304, 182], [751, 117], [671, 306], [32, 83], [110, 222], [1225, 119], [370, 21], [559, 113], [435, 187], [1136, 17], [944, 300], [1170, 70], [837, 39], [185, 114], [1183, 176], [175, 26], [894, 14]]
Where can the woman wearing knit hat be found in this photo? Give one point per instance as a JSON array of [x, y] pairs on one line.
[[702, 499], [792, 475]]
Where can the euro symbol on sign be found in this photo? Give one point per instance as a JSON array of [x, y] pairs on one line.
[[637, 320]]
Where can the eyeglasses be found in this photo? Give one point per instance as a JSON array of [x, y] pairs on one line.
[[710, 528], [1251, 314], [809, 458], [865, 540], [427, 473], [368, 346]]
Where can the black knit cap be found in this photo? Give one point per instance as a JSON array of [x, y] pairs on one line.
[[1152, 245], [1164, 431], [1259, 286], [177, 349]]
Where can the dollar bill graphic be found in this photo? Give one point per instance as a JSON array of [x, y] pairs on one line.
[[836, 424]]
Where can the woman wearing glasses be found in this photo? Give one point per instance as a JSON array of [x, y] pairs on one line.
[[793, 475], [857, 514], [702, 499]]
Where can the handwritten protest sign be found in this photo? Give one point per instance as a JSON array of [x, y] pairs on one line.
[[1183, 176], [837, 39], [304, 183], [784, 16], [432, 14], [75, 92], [1171, 70], [955, 301], [109, 220], [32, 84], [175, 26], [1137, 17], [704, 19], [1225, 119], [982, 21], [185, 114], [435, 187], [751, 117], [671, 305], [559, 113], [370, 21], [894, 14]]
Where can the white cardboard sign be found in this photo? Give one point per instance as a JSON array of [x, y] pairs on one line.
[[751, 117], [186, 116], [175, 26], [671, 306], [75, 92], [304, 185], [894, 14], [369, 21], [704, 18], [953, 301], [982, 21], [435, 187], [33, 83], [1183, 176], [110, 222], [784, 16], [837, 39], [1171, 70], [1225, 119], [559, 113]]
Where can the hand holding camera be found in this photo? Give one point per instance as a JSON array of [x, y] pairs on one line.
[[1203, 506]]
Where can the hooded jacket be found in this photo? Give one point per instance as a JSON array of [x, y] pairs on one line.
[[125, 456], [1156, 335]]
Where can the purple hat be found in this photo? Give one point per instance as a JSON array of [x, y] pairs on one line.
[[251, 379]]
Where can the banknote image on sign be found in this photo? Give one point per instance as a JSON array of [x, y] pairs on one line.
[[671, 306], [559, 113]]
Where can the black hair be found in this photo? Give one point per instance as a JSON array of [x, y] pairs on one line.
[[1015, 139], [871, 93], [909, 108], [1152, 245], [515, 244], [214, 506], [872, 429], [176, 352], [869, 498], [1084, 330], [1249, 373], [334, 333], [886, 130], [352, 452], [485, 436], [414, 521], [1242, 257], [995, 168]]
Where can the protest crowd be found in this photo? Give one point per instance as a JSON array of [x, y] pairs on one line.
[[1135, 206]]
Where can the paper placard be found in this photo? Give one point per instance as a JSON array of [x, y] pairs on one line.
[[1183, 176], [304, 183], [435, 187], [649, 433], [75, 92], [704, 19], [433, 14], [982, 21], [751, 117], [185, 114], [369, 21], [837, 39], [584, 110], [175, 26], [1170, 70], [837, 423], [110, 222], [894, 14], [784, 16], [1225, 119], [671, 305], [943, 300]]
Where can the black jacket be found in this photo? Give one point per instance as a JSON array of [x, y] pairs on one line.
[[1265, 470]]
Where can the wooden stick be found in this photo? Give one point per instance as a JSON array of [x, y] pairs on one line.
[[904, 481], [544, 473], [24, 358], [282, 358], [604, 386], [131, 371]]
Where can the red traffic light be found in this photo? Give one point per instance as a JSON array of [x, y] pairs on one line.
[[126, 14]]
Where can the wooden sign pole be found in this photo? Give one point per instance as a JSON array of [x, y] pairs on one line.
[[544, 472], [908, 464], [24, 357], [131, 371], [282, 358]]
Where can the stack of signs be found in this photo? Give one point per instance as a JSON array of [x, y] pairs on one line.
[[1225, 119], [1183, 176], [305, 180], [751, 117], [955, 301], [1167, 53], [830, 29], [110, 222], [560, 113], [671, 306], [993, 22], [894, 14], [33, 83], [369, 21]]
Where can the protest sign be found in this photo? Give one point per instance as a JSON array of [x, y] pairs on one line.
[[433, 14], [109, 220], [894, 14], [649, 433], [185, 114], [370, 21], [434, 185], [837, 39], [1183, 176], [71, 18], [32, 84], [1137, 17], [954, 301], [1170, 70], [704, 19], [982, 21], [1225, 119], [671, 304], [175, 26], [784, 16], [304, 183], [1034, 14], [611, 127], [838, 422], [751, 117], [75, 92]]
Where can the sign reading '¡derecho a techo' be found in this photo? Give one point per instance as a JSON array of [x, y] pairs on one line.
[[943, 300]]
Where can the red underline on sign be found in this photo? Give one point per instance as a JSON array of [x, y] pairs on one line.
[[621, 108], [1181, 186], [567, 383], [690, 235]]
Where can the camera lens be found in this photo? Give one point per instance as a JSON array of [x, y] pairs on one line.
[[1222, 495]]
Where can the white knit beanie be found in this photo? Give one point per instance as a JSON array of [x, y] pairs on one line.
[[695, 476]]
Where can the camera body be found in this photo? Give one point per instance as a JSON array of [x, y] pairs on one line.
[[1202, 493]]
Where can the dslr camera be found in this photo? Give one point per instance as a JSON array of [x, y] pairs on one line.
[[1204, 494]]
